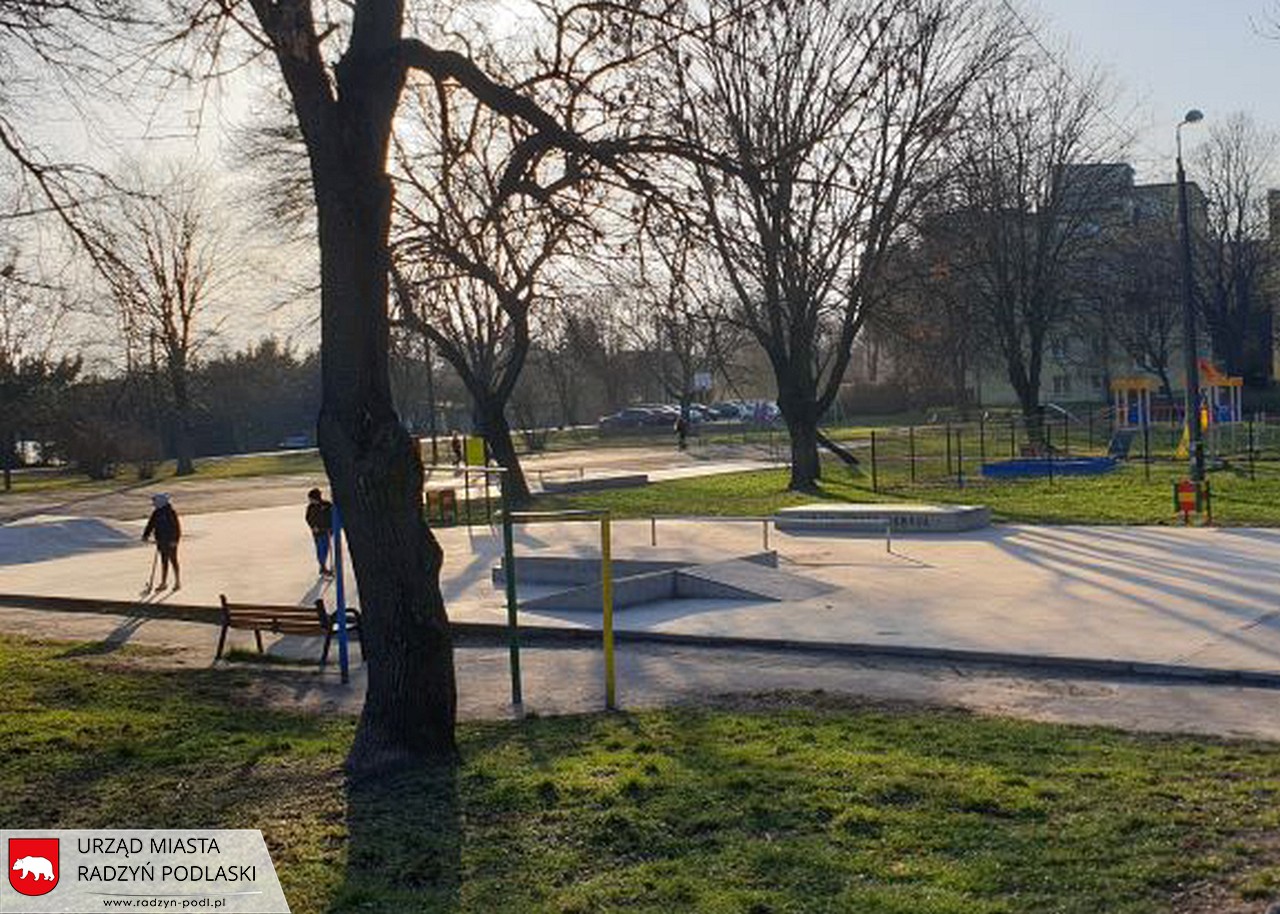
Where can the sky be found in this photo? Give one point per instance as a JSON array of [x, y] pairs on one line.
[[1162, 57], [1166, 56]]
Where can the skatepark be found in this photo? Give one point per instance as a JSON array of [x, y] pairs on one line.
[[1181, 620]]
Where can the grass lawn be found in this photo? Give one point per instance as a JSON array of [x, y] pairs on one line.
[[1122, 497], [788, 804], [231, 467]]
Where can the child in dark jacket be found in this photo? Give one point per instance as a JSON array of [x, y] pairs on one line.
[[320, 520], [168, 530]]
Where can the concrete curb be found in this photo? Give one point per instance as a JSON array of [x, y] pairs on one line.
[[551, 636]]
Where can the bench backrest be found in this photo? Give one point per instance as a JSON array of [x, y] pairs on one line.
[[294, 620]]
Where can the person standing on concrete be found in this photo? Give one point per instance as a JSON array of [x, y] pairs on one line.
[[682, 432], [165, 525], [320, 520]]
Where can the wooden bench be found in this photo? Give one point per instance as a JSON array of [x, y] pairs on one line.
[[283, 620]]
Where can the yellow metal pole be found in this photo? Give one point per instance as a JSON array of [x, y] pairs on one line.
[[606, 594]]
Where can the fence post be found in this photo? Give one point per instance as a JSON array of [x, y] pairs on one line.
[[1066, 434], [875, 487], [1251, 476], [911, 452], [948, 431], [1146, 450], [960, 457], [982, 438], [1013, 437]]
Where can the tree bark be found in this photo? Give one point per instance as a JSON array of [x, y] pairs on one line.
[[491, 419], [798, 404], [376, 475], [182, 421]]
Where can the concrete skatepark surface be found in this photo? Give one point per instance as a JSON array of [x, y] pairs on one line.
[[1178, 598]]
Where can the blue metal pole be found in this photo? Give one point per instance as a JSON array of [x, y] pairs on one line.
[[340, 616]]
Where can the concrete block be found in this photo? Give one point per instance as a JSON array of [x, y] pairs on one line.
[[875, 519]]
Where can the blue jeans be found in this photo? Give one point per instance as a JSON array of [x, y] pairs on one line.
[[322, 549]]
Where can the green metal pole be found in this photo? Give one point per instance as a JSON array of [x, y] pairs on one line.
[[509, 577], [606, 595], [874, 481]]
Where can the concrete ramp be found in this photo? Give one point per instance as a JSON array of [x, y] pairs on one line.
[[753, 578], [577, 570], [635, 590], [746, 580]]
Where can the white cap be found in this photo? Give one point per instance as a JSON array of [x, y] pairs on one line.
[[160, 499]]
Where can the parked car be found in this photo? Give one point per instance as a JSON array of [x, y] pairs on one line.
[[295, 442], [631, 417]]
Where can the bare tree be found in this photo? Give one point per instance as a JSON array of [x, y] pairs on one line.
[[1140, 305], [928, 324], [1024, 216], [671, 303], [477, 252], [169, 265], [31, 376], [820, 122], [1234, 168], [344, 68]]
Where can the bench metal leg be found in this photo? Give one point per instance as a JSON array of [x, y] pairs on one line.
[[222, 640], [258, 635]]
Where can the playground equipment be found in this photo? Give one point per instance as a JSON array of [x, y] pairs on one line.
[[1131, 401], [1220, 395], [1048, 466], [1220, 404]]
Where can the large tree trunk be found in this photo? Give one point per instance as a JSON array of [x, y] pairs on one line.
[[492, 421], [373, 466], [798, 402]]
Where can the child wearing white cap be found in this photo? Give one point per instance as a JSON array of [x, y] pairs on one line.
[[168, 530]]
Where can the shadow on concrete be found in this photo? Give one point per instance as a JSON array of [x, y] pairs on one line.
[[1138, 566], [23, 544]]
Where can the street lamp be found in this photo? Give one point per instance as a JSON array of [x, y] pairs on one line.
[[1195, 439]]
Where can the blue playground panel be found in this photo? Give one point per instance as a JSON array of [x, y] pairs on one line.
[[1044, 466]]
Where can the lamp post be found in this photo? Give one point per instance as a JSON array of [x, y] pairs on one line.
[[1195, 439]]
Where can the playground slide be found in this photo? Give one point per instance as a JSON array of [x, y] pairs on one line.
[[843, 453]]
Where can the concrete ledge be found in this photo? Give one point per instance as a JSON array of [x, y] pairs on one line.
[[596, 483], [878, 518], [1060, 665]]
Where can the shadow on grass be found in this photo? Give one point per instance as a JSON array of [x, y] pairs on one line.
[[404, 844]]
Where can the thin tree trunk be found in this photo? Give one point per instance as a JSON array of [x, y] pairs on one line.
[[10, 445], [182, 421]]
